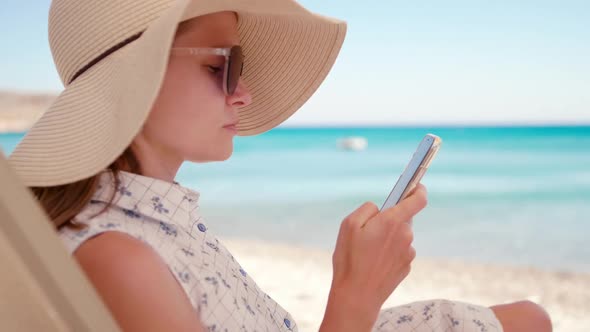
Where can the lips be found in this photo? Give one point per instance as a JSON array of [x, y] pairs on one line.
[[233, 124], [232, 127]]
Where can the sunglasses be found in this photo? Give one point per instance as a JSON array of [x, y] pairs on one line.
[[234, 63]]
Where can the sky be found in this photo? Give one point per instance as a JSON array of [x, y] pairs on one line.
[[449, 62]]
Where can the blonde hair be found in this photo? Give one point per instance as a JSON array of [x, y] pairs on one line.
[[62, 203]]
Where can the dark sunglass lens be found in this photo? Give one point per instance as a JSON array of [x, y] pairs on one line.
[[236, 62]]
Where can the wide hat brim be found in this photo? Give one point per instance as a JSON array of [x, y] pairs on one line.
[[289, 52]]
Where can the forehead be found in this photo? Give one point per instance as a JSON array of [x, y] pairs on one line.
[[213, 30]]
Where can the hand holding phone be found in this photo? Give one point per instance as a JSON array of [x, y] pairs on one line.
[[426, 151], [384, 248]]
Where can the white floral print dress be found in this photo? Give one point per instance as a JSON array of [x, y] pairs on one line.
[[166, 216]]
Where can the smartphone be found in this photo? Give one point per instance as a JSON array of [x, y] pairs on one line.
[[414, 171]]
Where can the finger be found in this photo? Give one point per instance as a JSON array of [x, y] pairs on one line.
[[360, 216], [409, 207], [405, 234], [353, 221], [411, 254], [420, 187], [416, 187]]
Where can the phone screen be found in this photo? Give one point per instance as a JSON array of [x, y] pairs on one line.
[[414, 170]]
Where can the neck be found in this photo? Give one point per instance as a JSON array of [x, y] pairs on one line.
[[156, 162]]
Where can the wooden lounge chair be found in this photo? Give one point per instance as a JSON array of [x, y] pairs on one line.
[[42, 288]]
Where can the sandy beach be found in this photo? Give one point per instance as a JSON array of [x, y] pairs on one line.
[[307, 272]]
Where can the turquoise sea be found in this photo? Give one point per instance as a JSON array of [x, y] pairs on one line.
[[506, 195]]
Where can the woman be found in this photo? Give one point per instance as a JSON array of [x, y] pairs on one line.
[[150, 84]]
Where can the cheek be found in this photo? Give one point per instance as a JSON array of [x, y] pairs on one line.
[[190, 106], [190, 86]]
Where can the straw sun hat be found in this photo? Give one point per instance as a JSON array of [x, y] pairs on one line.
[[111, 56]]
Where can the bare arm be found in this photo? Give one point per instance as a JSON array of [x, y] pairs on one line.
[[344, 314], [136, 285]]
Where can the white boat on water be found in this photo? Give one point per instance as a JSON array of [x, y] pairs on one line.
[[354, 143]]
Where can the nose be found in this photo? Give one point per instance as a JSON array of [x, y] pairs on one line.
[[241, 96]]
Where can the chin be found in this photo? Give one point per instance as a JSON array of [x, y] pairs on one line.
[[227, 155], [222, 158], [220, 155]]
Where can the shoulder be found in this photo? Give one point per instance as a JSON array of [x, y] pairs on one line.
[[136, 284], [117, 250]]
